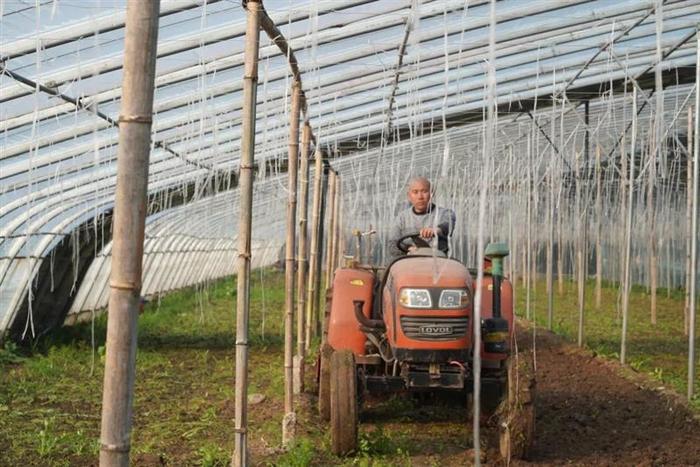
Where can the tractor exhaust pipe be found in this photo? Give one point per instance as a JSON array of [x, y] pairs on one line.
[[496, 302], [365, 322], [495, 329]]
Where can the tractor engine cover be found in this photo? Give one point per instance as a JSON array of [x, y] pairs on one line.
[[428, 331], [343, 329]]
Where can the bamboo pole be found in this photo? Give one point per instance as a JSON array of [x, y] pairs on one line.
[[694, 237], [560, 239], [688, 217], [550, 252], [528, 264], [141, 40], [314, 269], [599, 232], [487, 158], [302, 260], [320, 293], [623, 209], [581, 211], [245, 187], [628, 234], [331, 227], [288, 422], [339, 239]]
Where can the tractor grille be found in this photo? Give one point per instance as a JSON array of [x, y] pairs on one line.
[[433, 328]]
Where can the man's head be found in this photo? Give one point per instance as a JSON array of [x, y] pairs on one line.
[[419, 194]]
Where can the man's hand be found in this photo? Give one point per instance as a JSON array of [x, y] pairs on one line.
[[428, 232]]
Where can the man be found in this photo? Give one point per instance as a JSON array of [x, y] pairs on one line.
[[423, 217]]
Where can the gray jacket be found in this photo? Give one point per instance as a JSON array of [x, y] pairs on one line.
[[407, 222]]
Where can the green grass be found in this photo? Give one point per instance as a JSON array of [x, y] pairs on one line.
[[50, 394], [659, 350]]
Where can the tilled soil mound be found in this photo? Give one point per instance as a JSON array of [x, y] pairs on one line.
[[589, 414]]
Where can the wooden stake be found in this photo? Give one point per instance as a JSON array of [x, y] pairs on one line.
[[628, 234], [338, 238], [289, 271], [581, 214], [560, 237], [314, 270], [245, 188], [302, 261], [322, 241], [528, 265], [331, 227], [688, 216], [694, 237], [141, 40], [550, 252], [599, 232]]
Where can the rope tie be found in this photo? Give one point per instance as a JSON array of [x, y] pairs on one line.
[[115, 447], [135, 119], [125, 285]]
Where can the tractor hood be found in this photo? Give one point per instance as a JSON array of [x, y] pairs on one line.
[[428, 271]]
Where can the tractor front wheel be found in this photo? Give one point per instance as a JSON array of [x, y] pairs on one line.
[[343, 400]]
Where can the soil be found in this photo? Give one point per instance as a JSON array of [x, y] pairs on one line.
[[590, 413]]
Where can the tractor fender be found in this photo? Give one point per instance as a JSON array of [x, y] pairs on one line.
[[349, 285]]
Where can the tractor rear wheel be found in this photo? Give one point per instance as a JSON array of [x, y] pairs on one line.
[[517, 411], [344, 407], [324, 382]]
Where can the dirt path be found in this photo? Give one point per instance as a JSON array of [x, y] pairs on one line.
[[588, 414]]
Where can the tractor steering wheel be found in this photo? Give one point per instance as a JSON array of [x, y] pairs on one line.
[[417, 240]]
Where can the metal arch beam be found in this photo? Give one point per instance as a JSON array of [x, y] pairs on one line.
[[110, 64], [86, 28], [365, 121], [175, 123], [219, 65]]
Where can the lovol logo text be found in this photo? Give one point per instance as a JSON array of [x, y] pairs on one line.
[[436, 330]]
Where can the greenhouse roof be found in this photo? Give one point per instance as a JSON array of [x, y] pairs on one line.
[[381, 78]]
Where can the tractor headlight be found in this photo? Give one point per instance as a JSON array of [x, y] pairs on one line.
[[454, 298], [415, 298]]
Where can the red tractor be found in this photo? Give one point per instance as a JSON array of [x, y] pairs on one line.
[[412, 330]]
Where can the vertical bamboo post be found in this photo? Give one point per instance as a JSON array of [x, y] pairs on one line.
[[288, 422], [320, 292], [694, 237], [560, 238], [582, 224], [688, 216], [623, 207], [331, 227], [302, 261], [141, 40], [550, 228], [628, 234], [487, 158], [245, 188], [528, 265], [598, 232], [314, 269], [550, 252], [339, 241], [560, 247], [656, 154]]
